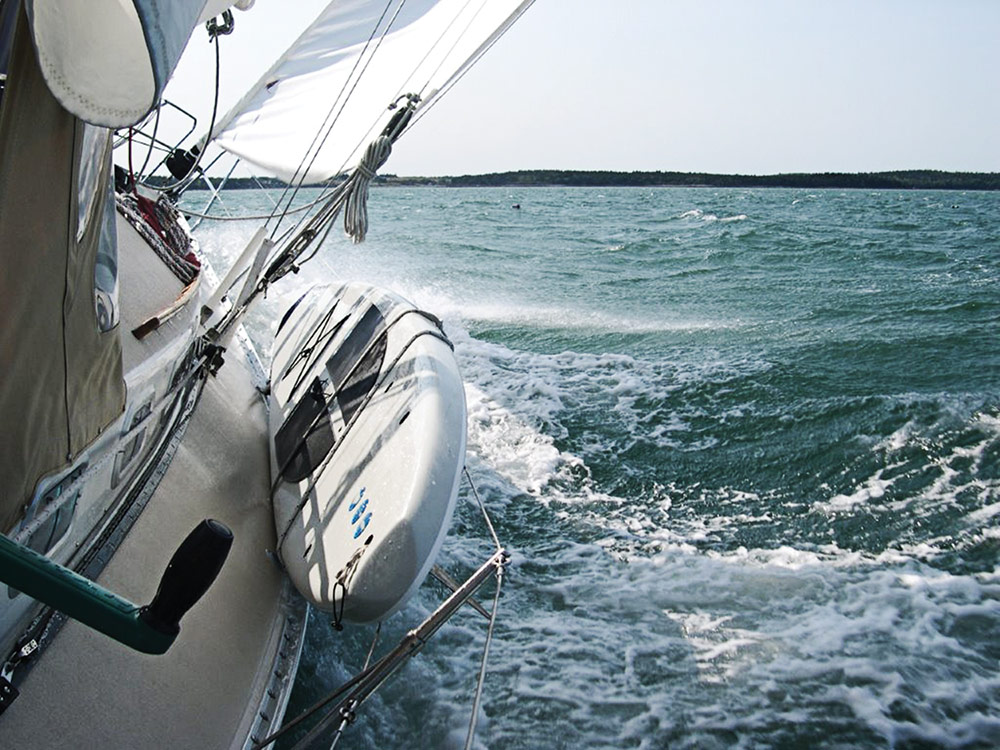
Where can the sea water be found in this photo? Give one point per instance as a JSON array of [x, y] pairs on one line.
[[743, 446]]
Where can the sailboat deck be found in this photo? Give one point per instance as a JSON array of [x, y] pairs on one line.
[[148, 286], [205, 691]]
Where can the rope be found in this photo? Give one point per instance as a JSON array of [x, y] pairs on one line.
[[356, 201], [338, 614], [350, 196], [344, 578], [352, 193]]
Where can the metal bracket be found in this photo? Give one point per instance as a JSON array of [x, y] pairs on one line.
[[7, 693]]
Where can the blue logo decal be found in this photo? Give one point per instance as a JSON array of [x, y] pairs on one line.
[[361, 495], [360, 519], [363, 526]]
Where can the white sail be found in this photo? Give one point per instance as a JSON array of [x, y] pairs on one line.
[[341, 75]]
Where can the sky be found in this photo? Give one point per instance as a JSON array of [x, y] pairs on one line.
[[719, 86]]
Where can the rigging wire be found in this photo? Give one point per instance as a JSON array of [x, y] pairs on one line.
[[469, 66], [455, 43], [152, 139], [351, 194], [481, 680], [356, 215], [482, 507], [406, 84], [181, 184], [328, 124], [413, 98], [419, 113]]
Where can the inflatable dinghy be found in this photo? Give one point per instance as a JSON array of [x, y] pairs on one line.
[[368, 430]]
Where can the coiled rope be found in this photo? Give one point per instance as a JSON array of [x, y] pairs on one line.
[[356, 198], [351, 196]]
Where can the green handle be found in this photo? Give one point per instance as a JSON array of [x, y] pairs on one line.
[[80, 598]]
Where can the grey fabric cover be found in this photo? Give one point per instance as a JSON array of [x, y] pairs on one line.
[[61, 379]]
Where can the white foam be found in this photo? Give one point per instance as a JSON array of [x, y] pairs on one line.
[[938, 475], [697, 213], [513, 420], [873, 488], [785, 634], [520, 453]]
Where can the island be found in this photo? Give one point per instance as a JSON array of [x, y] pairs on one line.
[[917, 179]]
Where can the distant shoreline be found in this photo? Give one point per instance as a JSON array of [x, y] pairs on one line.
[[922, 179]]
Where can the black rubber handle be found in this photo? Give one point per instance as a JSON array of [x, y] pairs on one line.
[[191, 571]]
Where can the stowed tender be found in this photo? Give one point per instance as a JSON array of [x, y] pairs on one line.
[[368, 432]]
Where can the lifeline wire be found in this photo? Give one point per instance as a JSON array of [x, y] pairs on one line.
[[256, 217], [372, 676], [482, 507], [473, 720]]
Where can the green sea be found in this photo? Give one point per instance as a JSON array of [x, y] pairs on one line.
[[743, 446]]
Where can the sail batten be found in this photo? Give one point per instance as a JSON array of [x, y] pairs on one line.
[[313, 113]]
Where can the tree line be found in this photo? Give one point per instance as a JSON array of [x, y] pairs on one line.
[[917, 179]]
